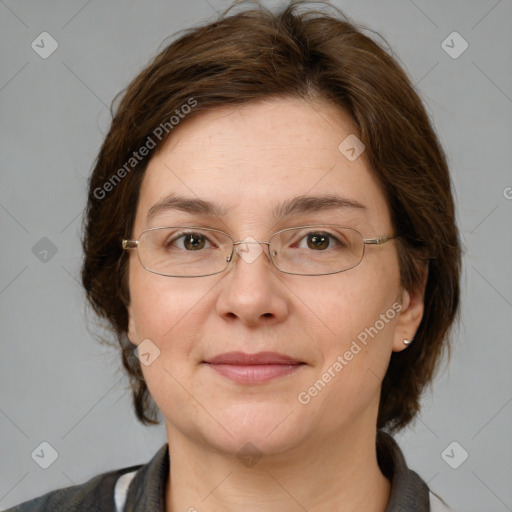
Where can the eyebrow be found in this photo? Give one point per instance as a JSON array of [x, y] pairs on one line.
[[311, 204], [294, 206]]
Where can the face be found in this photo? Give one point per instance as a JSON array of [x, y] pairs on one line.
[[339, 330]]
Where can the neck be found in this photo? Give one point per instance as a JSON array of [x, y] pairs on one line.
[[337, 472]]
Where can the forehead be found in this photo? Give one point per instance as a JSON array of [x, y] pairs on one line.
[[249, 159]]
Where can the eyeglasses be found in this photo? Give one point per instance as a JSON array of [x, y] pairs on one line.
[[193, 251]]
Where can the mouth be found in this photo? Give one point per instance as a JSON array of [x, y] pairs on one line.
[[253, 368]]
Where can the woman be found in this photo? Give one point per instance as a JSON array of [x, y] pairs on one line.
[[270, 233]]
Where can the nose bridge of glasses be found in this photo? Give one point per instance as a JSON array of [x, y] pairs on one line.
[[251, 242], [248, 249]]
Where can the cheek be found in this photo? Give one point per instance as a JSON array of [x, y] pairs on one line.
[[356, 314], [165, 311], [347, 304], [161, 308]]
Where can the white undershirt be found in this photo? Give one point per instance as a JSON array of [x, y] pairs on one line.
[[121, 490]]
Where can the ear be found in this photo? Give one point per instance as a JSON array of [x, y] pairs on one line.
[[413, 303]]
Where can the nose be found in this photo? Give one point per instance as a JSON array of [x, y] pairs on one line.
[[251, 290]]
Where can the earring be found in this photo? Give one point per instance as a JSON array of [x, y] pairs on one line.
[[407, 342]]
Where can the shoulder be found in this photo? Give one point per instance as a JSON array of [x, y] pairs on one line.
[[97, 494], [144, 483]]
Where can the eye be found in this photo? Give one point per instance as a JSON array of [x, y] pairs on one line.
[[189, 241], [320, 241]]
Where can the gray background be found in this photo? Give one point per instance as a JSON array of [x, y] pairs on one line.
[[59, 385]]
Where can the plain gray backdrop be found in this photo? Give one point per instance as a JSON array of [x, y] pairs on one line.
[[58, 385]]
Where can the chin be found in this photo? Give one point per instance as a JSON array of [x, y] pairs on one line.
[[264, 428], [253, 441]]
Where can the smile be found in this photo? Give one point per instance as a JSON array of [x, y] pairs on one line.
[[253, 368]]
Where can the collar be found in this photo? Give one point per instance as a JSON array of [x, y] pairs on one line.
[[408, 491], [147, 489]]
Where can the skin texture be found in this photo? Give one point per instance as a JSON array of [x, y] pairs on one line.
[[320, 456]]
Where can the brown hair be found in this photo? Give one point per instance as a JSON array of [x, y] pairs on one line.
[[257, 54]]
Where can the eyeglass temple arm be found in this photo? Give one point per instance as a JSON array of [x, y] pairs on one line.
[[129, 244], [378, 241]]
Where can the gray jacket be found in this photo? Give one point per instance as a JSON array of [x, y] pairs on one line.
[[142, 488]]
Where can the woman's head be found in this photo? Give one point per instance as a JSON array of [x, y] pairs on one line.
[[249, 113]]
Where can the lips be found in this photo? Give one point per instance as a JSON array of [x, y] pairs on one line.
[[253, 368], [241, 358]]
